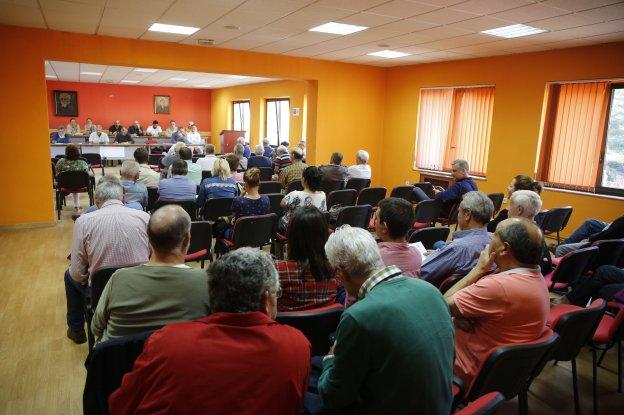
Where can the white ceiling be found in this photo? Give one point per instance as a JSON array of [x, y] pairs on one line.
[[71, 71], [432, 30]]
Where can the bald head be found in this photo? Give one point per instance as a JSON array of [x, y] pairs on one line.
[[524, 239], [167, 229]]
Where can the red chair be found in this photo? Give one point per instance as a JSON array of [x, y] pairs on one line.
[[426, 213], [484, 405], [570, 268], [610, 332], [200, 246], [316, 324]]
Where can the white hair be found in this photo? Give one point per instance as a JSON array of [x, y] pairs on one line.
[[480, 206], [240, 140], [281, 150], [266, 141], [362, 155], [259, 150], [178, 146], [354, 251], [129, 168], [462, 164], [109, 188], [530, 202]]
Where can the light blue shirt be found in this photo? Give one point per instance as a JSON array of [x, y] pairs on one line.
[[177, 188], [135, 192]]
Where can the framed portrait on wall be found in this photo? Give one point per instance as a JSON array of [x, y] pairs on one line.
[[162, 104], [66, 103]]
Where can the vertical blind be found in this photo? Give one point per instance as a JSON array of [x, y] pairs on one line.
[[454, 123], [573, 131]]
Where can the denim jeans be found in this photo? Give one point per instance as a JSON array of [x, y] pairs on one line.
[[605, 283], [75, 293], [420, 195], [589, 227]]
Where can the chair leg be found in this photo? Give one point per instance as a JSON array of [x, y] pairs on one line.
[[595, 380], [577, 409], [602, 355], [523, 402], [619, 360], [202, 263]]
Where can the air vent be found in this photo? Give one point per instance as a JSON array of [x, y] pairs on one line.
[[205, 42]]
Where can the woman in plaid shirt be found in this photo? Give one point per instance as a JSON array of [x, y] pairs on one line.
[[306, 278]]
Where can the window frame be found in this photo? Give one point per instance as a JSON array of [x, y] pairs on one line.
[[603, 148], [241, 101], [266, 116]]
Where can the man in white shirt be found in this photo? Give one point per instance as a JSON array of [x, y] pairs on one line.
[[360, 170], [154, 130], [207, 162], [98, 136]]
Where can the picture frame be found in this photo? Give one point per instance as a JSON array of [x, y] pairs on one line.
[[162, 104], [65, 103]]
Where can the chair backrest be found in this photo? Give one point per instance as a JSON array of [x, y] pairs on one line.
[[576, 328], [371, 196], [427, 211], [425, 187], [573, 265], [99, 278], [357, 184], [356, 216], [316, 324], [106, 365], [539, 218], [216, 207], [152, 197], [201, 237], [556, 219], [483, 405], [329, 186], [429, 236], [275, 199], [294, 185], [403, 192], [154, 159], [344, 197], [206, 174], [520, 360], [92, 158], [497, 200], [73, 180], [269, 187], [610, 252], [190, 206], [265, 173], [254, 231]]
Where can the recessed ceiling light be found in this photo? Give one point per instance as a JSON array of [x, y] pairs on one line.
[[338, 28], [515, 30], [390, 54], [203, 86], [170, 28], [178, 79], [91, 73], [51, 76], [145, 70], [129, 81]]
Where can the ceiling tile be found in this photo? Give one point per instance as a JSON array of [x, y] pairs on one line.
[[441, 3], [472, 50], [111, 29], [459, 41], [402, 8], [148, 7], [481, 23], [197, 13], [565, 22], [610, 37], [593, 30], [578, 5], [445, 16], [355, 5], [66, 71], [347, 53], [72, 22], [530, 13], [19, 15], [613, 12], [368, 19], [485, 7]]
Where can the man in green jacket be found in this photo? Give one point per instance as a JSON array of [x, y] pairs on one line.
[[394, 348]]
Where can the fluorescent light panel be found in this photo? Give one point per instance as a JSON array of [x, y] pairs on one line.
[[516, 30], [202, 86], [178, 79], [338, 28], [51, 76], [145, 70], [170, 28], [390, 54], [91, 73], [129, 81]]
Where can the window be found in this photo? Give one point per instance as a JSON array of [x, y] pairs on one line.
[[454, 123], [241, 117], [278, 120], [583, 137]]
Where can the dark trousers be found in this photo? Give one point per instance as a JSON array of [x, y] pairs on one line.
[[75, 294], [419, 194], [588, 228], [312, 404], [605, 283]]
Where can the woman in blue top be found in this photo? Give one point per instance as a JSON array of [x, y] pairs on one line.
[[251, 203], [219, 185]]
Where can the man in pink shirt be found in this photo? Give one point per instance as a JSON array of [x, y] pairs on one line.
[[508, 307], [393, 219]]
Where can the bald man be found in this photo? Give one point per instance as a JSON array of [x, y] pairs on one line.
[[507, 307], [163, 291]]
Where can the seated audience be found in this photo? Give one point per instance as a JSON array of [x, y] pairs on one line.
[[194, 171], [302, 146], [361, 169], [172, 155], [89, 127], [293, 172], [236, 360], [520, 182], [135, 129], [73, 128], [154, 130], [219, 185], [233, 161], [179, 136], [250, 202], [508, 307], [258, 159], [163, 291], [239, 149], [206, 162], [97, 244], [393, 219], [193, 138], [282, 159], [115, 128], [307, 278], [606, 282], [72, 162], [590, 232], [246, 149], [98, 136], [134, 191], [335, 171], [147, 176], [311, 195], [460, 255], [178, 186], [123, 136], [171, 129], [268, 150], [60, 136], [394, 348], [453, 195]]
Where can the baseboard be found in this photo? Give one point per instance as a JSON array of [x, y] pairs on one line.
[[33, 225]]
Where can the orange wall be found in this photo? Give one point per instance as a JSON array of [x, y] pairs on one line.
[[350, 100], [520, 81], [105, 103]]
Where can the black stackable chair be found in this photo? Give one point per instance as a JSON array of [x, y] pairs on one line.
[[316, 324], [275, 199], [206, 174], [254, 231], [570, 268], [190, 206], [356, 216], [429, 236], [269, 187], [72, 182], [403, 192], [425, 187], [217, 207], [152, 197], [426, 213], [371, 196], [94, 160], [357, 184], [294, 185], [555, 220], [329, 186], [344, 197], [200, 246], [497, 201], [266, 173]]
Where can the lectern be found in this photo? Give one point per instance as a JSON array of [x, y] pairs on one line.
[[228, 139]]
